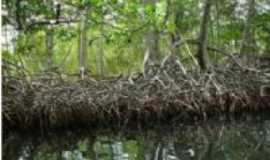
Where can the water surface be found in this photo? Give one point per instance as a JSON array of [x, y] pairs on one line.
[[237, 140]]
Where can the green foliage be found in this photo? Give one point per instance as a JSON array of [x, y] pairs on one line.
[[124, 25]]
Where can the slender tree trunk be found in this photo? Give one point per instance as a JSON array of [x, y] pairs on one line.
[[152, 42], [217, 22], [18, 14], [101, 54], [152, 54], [176, 37], [203, 36], [152, 38], [248, 43], [49, 41], [217, 39], [101, 58], [175, 40], [83, 44], [49, 47]]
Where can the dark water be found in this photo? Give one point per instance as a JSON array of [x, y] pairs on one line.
[[237, 140]]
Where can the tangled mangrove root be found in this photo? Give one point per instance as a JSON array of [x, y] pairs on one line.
[[163, 92]]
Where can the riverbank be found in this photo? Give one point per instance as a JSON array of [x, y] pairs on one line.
[[167, 94]]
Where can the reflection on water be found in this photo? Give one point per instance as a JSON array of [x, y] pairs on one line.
[[212, 141]]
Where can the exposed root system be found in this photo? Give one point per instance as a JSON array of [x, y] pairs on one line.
[[164, 92]]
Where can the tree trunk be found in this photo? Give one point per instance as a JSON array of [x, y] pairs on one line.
[[49, 38], [49, 47], [248, 42], [101, 53], [18, 14], [203, 37], [152, 37], [152, 41], [83, 44], [176, 37]]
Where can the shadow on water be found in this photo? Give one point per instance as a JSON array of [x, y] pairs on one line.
[[237, 140]]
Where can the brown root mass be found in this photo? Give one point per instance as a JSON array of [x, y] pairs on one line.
[[161, 93]]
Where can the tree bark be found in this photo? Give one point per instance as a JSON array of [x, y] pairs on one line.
[[152, 37], [101, 53], [151, 40], [248, 42], [49, 36], [49, 47], [83, 44], [203, 36], [176, 37], [18, 14]]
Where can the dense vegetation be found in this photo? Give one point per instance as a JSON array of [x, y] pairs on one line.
[[102, 62], [111, 37]]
